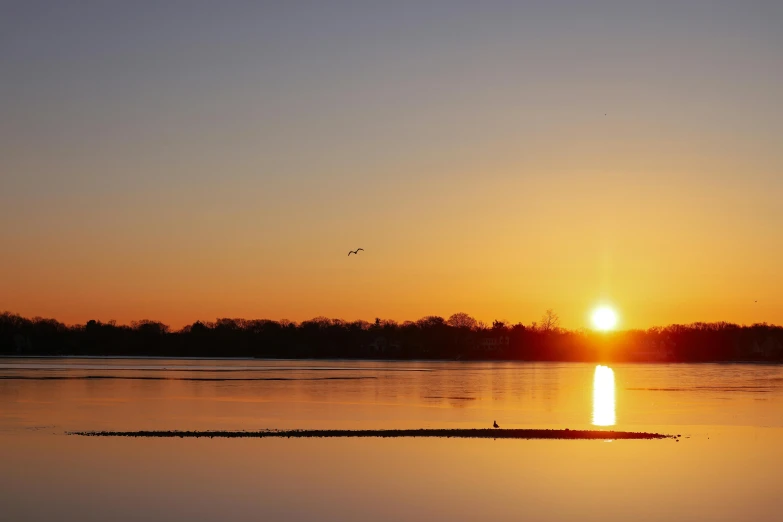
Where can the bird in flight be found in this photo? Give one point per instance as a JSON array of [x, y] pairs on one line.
[[355, 251]]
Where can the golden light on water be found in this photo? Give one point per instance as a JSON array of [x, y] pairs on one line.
[[603, 396]]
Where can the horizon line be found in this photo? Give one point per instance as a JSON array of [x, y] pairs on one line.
[[479, 326]]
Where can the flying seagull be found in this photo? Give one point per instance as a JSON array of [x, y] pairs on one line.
[[355, 251], [495, 424]]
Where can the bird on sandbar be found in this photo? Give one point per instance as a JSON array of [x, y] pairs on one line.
[[495, 424], [355, 251]]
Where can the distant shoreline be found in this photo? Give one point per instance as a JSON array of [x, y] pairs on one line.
[[432, 338], [347, 359], [145, 357]]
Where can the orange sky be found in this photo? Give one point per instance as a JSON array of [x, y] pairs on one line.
[[499, 164]]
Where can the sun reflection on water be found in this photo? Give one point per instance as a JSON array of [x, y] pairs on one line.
[[603, 396]]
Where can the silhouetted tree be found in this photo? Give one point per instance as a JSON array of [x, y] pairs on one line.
[[462, 320], [550, 321], [499, 325]]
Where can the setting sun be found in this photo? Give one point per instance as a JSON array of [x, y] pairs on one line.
[[604, 318]]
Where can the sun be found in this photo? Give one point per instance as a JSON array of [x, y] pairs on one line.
[[604, 318]]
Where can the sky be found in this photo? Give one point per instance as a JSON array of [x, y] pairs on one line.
[[182, 161]]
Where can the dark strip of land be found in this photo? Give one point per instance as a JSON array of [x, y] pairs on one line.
[[143, 378], [442, 433], [247, 369]]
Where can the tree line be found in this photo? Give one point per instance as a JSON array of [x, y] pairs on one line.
[[458, 337]]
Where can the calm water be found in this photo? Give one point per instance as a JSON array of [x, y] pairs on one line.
[[728, 465]]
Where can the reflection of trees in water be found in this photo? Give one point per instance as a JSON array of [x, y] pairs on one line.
[[499, 380], [551, 386], [9, 392], [434, 386], [457, 385]]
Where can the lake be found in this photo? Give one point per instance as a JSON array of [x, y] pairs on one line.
[[727, 465]]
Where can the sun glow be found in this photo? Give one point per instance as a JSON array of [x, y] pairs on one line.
[[603, 396], [604, 319]]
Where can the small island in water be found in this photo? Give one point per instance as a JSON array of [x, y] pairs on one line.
[[488, 433]]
